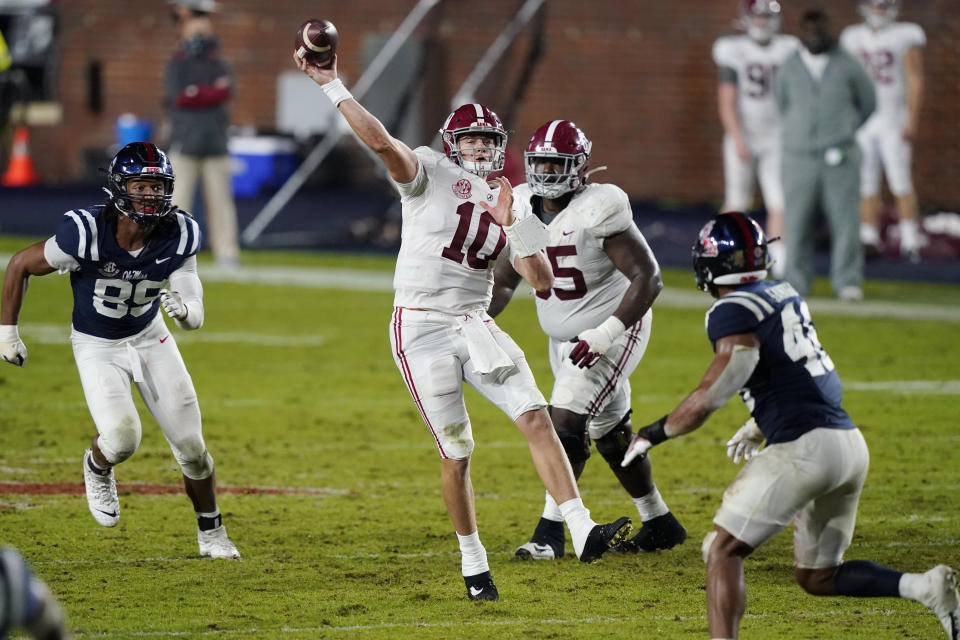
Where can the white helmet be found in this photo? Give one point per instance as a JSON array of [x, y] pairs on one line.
[[879, 13], [760, 19]]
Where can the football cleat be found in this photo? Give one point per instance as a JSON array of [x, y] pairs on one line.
[[545, 544], [662, 532], [481, 587], [101, 494], [604, 536], [942, 598], [215, 544]]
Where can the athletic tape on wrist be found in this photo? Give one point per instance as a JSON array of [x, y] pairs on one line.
[[336, 91], [9, 333], [527, 236]]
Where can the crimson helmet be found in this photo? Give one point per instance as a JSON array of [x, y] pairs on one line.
[[760, 19], [561, 141], [140, 160], [474, 119], [879, 19], [730, 250]]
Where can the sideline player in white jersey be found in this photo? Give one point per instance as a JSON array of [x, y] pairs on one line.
[[746, 65], [892, 54], [454, 227], [119, 255], [598, 318], [812, 469]]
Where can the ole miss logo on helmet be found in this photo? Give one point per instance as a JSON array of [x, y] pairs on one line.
[[462, 188]]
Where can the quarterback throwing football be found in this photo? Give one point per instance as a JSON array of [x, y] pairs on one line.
[[454, 227]]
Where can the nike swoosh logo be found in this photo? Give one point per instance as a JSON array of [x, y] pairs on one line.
[[159, 260], [542, 548], [163, 339], [475, 592], [566, 233], [112, 514]]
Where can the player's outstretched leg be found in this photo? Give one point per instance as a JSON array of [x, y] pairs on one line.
[[604, 536], [481, 587], [101, 492], [546, 543]]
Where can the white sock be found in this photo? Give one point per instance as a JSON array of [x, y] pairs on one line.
[[550, 509], [473, 557], [913, 586], [578, 521], [909, 235], [651, 506], [869, 233]]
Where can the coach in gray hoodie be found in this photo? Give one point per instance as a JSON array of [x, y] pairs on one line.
[[824, 95]]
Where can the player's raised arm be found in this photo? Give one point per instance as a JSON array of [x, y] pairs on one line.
[[398, 158], [25, 263]]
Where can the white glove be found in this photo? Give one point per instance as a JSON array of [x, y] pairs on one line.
[[637, 449], [745, 443], [593, 343], [172, 304], [12, 349]]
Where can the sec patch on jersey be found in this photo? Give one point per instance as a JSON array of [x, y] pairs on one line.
[[316, 42]]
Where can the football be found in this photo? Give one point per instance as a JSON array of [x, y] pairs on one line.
[[316, 42]]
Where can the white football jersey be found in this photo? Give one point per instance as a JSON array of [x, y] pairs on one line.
[[755, 66], [882, 53], [587, 287], [448, 243]]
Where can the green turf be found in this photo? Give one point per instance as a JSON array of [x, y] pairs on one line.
[[369, 552]]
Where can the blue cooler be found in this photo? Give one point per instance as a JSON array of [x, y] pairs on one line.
[[129, 129], [261, 163]]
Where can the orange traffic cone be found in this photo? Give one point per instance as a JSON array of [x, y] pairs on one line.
[[20, 172]]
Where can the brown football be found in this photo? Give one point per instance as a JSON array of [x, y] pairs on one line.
[[316, 42]]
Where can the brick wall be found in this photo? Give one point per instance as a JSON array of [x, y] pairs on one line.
[[636, 75]]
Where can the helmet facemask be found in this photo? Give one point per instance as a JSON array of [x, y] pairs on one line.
[[878, 20], [553, 184], [145, 209], [466, 158]]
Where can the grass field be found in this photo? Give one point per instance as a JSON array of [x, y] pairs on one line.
[[330, 482]]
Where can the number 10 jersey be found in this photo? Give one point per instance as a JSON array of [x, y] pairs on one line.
[[448, 242]]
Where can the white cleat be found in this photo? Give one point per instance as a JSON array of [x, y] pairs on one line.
[[942, 598], [535, 551], [101, 494], [215, 544]]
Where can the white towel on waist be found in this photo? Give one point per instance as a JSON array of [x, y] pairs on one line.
[[486, 356]]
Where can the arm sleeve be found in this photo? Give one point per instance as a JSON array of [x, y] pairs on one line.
[[915, 35], [186, 281], [57, 258], [416, 186]]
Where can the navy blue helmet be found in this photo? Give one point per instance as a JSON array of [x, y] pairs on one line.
[[140, 160], [730, 250]]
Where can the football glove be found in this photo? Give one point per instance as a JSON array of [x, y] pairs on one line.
[[745, 443], [172, 304], [653, 433], [593, 343], [12, 349]]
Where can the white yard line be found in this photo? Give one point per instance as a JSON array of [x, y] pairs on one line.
[[360, 280]]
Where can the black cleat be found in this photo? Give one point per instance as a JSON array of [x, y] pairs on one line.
[[662, 532], [545, 544], [604, 536], [481, 587]]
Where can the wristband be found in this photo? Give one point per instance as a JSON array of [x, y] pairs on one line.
[[9, 333], [336, 91], [613, 327], [654, 433], [527, 235]]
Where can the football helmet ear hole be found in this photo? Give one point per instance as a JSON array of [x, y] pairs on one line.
[[144, 162]]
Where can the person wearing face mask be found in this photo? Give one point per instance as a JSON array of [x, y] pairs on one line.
[[824, 96], [198, 87]]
